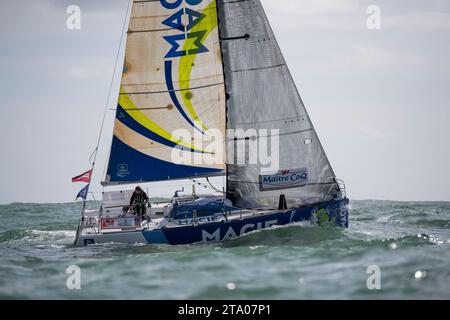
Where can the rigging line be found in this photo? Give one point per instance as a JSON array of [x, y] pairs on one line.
[[203, 185], [200, 184], [269, 136], [214, 188], [276, 120], [92, 155], [176, 90], [111, 85], [141, 109], [236, 1], [260, 68], [148, 31]]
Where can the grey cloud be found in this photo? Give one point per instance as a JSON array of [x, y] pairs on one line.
[[379, 100]]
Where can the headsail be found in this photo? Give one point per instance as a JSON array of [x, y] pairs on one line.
[[172, 80], [263, 95]]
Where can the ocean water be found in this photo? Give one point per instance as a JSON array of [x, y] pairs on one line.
[[408, 241]]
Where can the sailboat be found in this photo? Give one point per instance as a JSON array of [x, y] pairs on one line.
[[210, 70]]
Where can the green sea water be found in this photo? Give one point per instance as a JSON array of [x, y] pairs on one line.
[[408, 241]]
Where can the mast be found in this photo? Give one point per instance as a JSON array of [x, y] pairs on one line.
[[218, 4]]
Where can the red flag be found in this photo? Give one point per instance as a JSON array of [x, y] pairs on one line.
[[85, 177]]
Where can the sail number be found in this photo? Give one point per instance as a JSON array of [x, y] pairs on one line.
[[176, 22]]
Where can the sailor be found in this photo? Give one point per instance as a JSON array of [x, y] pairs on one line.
[[138, 202]]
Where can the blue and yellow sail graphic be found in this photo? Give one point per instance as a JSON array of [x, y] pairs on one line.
[[172, 80]]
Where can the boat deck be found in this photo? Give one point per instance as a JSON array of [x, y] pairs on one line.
[[158, 222]]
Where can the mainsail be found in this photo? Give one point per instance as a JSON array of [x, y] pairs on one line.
[[199, 65], [172, 80], [263, 95]]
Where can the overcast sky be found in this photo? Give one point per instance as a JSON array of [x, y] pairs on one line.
[[379, 98]]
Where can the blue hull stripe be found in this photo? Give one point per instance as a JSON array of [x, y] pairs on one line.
[[156, 236], [336, 211]]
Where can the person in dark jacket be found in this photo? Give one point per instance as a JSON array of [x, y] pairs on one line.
[[138, 202]]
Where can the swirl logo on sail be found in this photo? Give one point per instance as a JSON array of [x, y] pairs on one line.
[[192, 27]]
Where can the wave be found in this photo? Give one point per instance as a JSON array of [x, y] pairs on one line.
[[371, 223], [42, 237]]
